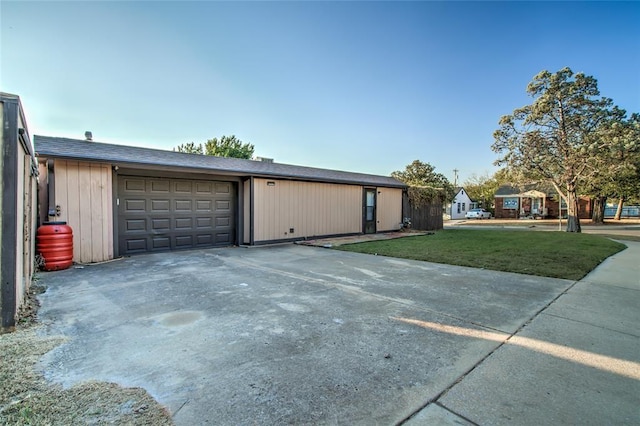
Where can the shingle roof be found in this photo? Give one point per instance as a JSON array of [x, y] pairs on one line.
[[46, 146], [520, 189]]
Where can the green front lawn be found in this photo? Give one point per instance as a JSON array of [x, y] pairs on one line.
[[547, 254]]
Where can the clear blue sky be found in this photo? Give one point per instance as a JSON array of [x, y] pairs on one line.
[[360, 86]]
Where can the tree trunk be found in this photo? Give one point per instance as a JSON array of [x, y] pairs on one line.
[[598, 210], [573, 219], [619, 210]]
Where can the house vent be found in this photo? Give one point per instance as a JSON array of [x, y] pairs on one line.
[[88, 136], [264, 159]]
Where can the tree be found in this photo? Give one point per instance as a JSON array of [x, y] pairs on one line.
[[627, 186], [560, 137], [481, 188], [189, 148], [425, 184], [625, 183], [619, 169], [226, 146]]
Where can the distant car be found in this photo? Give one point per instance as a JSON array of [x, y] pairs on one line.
[[478, 214]]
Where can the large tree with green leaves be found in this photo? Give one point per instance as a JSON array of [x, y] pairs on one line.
[[562, 136], [482, 188], [425, 185], [189, 148], [226, 146], [619, 170]]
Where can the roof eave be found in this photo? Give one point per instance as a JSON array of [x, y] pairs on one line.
[[217, 171]]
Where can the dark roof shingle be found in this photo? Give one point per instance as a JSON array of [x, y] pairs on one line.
[[545, 188], [46, 146]]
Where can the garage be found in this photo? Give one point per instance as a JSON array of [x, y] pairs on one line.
[[123, 200], [167, 214]]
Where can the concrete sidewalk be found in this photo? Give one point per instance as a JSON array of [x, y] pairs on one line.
[[577, 362]]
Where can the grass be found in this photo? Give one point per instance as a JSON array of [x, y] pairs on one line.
[[26, 398], [548, 254]]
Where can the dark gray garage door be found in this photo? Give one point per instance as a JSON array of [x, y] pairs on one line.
[[168, 214]]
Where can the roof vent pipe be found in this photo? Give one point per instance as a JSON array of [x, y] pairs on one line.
[[88, 136]]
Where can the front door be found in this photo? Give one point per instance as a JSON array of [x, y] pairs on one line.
[[369, 211]]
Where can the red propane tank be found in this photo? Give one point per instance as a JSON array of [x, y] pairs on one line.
[[55, 244]]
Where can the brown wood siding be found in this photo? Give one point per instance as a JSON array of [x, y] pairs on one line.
[[389, 209], [84, 193], [309, 208]]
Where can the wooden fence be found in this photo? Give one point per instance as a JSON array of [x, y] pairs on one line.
[[424, 217], [18, 210]]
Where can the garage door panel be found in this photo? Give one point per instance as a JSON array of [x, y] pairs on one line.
[[223, 222], [204, 205], [204, 239], [164, 214], [203, 222], [161, 186], [136, 245], [161, 224], [223, 188], [134, 225], [204, 188], [134, 185], [183, 205], [184, 223], [183, 187], [223, 238], [134, 205], [160, 205], [184, 241], [161, 243], [223, 205]]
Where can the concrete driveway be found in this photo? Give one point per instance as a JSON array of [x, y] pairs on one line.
[[288, 334]]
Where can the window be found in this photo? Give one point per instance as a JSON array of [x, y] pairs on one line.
[[510, 203], [463, 207], [458, 207], [371, 204]]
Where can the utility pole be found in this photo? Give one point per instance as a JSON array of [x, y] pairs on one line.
[[455, 177]]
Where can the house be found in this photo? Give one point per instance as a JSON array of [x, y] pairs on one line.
[[122, 200], [534, 200], [18, 183], [460, 205]]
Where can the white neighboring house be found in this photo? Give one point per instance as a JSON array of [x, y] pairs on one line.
[[461, 204]]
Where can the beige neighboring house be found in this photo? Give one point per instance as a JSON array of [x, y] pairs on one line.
[[121, 200]]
